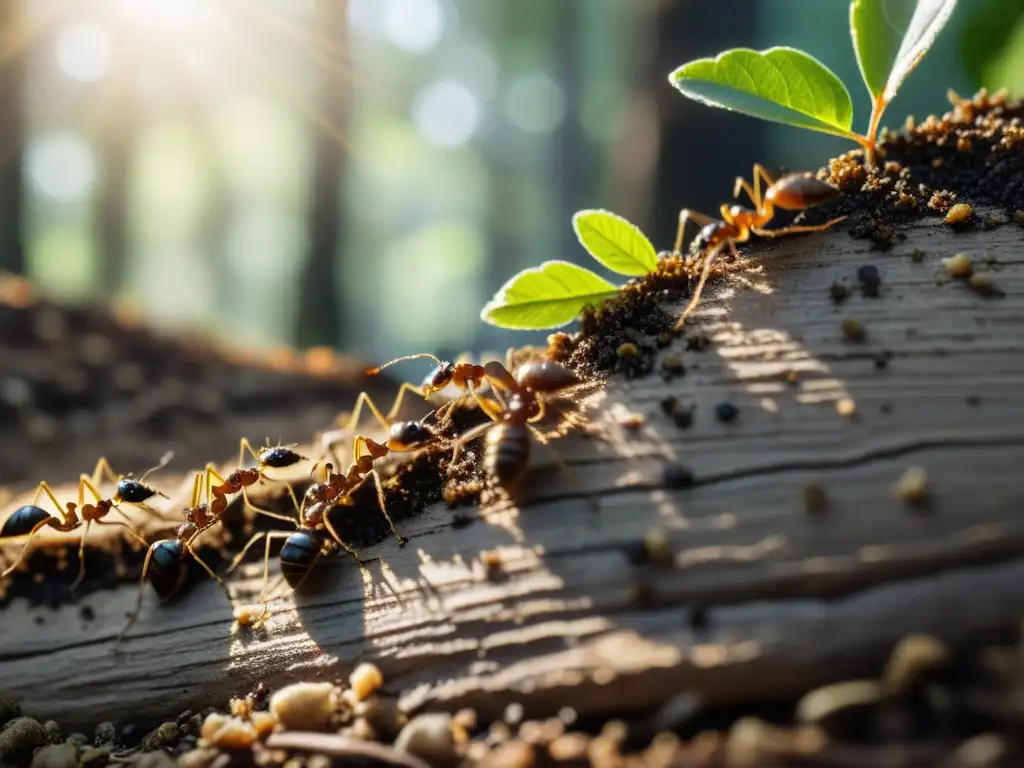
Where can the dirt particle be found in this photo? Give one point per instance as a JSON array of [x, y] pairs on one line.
[[972, 400], [659, 551], [105, 733], [56, 756], [870, 280], [726, 412], [305, 706], [840, 708], [838, 293], [698, 342], [19, 739], [853, 330], [366, 679], [668, 404], [9, 708], [917, 255], [990, 222], [429, 736], [882, 359], [959, 265], [676, 475], [672, 366], [913, 658], [942, 201], [492, 562], [663, 339], [682, 417], [815, 500], [960, 215], [627, 349], [1018, 218], [912, 487]]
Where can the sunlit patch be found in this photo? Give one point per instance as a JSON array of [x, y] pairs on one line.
[[446, 113], [85, 52], [413, 25], [61, 165], [535, 103]]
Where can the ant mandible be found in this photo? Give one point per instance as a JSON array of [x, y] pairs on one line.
[[165, 558], [30, 519], [793, 192]]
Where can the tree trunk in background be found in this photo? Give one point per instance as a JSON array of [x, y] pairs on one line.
[[116, 140], [702, 149], [571, 142], [12, 135], [319, 303]]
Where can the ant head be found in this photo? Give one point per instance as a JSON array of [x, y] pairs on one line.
[[279, 456], [407, 435], [439, 378], [707, 237]]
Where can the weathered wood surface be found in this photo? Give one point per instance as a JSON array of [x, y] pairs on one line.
[[792, 601]]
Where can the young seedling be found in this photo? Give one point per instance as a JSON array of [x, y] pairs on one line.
[[786, 85], [553, 294]]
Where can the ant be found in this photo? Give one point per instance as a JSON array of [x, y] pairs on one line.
[[165, 558], [128, 488], [272, 456], [793, 192], [30, 519], [507, 448]]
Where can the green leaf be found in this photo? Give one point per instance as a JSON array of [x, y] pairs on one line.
[[614, 242], [992, 45], [547, 296], [892, 36], [783, 85]]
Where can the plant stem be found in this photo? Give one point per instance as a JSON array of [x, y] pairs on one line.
[[877, 108]]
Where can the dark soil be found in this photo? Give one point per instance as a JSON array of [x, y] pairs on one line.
[[973, 154]]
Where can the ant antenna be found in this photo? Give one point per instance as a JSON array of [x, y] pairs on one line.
[[164, 461], [419, 355]]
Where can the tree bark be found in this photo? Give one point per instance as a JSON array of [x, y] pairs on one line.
[[759, 599], [12, 136]]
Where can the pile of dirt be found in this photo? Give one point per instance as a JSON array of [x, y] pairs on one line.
[[973, 155]]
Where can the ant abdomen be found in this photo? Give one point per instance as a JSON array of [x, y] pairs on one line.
[[167, 569], [300, 551], [279, 456], [23, 521], [408, 435], [506, 453], [545, 376], [799, 191], [131, 491]]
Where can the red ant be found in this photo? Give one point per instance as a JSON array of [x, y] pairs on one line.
[[303, 547], [793, 192], [164, 561], [30, 519], [507, 448], [272, 456]]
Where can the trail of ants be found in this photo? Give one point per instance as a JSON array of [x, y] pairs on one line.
[[793, 192], [31, 518]]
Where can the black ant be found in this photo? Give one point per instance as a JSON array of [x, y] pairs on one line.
[[304, 546], [30, 519], [164, 562], [128, 488], [271, 456], [507, 447], [793, 192]]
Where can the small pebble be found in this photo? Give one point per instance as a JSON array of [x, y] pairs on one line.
[[53, 732], [9, 708], [569, 747], [513, 754], [726, 412], [853, 330], [959, 265], [658, 549], [429, 737], [105, 733], [815, 500], [882, 359], [846, 407], [682, 417], [840, 708], [870, 280], [366, 679], [668, 404], [675, 475], [990, 222], [513, 713], [19, 739], [960, 215], [305, 706], [986, 750], [79, 739], [838, 292], [664, 339], [56, 756], [985, 285], [917, 255], [227, 732], [912, 487], [912, 659]]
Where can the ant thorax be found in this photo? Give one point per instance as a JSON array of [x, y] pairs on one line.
[[439, 378]]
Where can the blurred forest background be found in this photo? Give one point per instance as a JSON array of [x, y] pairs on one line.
[[364, 174]]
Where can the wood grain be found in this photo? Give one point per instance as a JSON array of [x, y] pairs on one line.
[[790, 600]]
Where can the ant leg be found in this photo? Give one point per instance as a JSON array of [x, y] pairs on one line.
[[103, 469], [695, 299], [206, 567], [28, 541], [334, 535], [383, 505], [686, 215], [244, 446], [133, 617], [81, 557], [383, 420], [468, 437], [212, 474], [796, 228]]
